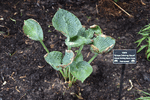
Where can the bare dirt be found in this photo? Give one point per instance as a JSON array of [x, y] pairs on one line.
[[25, 75]]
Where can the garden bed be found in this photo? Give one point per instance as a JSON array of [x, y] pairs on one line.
[[24, 74]]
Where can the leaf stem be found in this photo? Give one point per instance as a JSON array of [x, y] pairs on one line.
[[93, 58], [65, 72], [69, 48], [62, 74], [69, 73], [80, 49], [69, 77], [44, 46]]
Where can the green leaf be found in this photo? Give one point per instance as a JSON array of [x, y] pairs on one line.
[[148, 41], [78, 58], [148, 56], [146, 28], [81, 32], [142, 47], [144, 34], [83, 37], [68, 58], [89, 33], [96, 29], [145, 31], [66, 22], [77, 41], [148, 50], [81, 70], [33, 30], [102, 44], [140, 40], [116, 0], [54, 58]]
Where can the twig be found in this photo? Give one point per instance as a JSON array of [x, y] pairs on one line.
[[97, 8], [122, 9], [131, 85], [143, 3], [22, 96]]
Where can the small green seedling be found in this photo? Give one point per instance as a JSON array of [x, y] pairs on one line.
[[13, 20], [116, 0], [71, 65], [145, 32]]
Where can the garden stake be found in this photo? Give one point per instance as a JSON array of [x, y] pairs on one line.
[[121, 81], [126, 56]]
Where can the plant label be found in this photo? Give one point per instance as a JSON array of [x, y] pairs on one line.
[[126, 56]]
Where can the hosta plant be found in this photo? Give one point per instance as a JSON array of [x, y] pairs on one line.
[[145, 32], [71, 65]]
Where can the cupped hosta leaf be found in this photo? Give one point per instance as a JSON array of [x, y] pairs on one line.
[[81, 70], [66, 22], [88, 34], [102, 44], [68, 58], [90, 31], [54, 58], [77, 41], [33, 30], [96, 29]]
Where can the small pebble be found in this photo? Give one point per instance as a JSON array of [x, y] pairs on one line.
[[1, 18]]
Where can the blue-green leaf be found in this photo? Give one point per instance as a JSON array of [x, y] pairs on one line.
[[77, 41], [33, 30], [81, 70], [96, 29], [78, 58], [54, 58], [89, 33], [66, 22], [102, 44], [68, 58]]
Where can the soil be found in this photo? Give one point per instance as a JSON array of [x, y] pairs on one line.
[[25, 75]]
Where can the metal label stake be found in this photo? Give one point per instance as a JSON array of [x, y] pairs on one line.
[[126, 56]]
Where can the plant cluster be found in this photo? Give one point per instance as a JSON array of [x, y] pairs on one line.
[[71, 65], [145, 32]]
